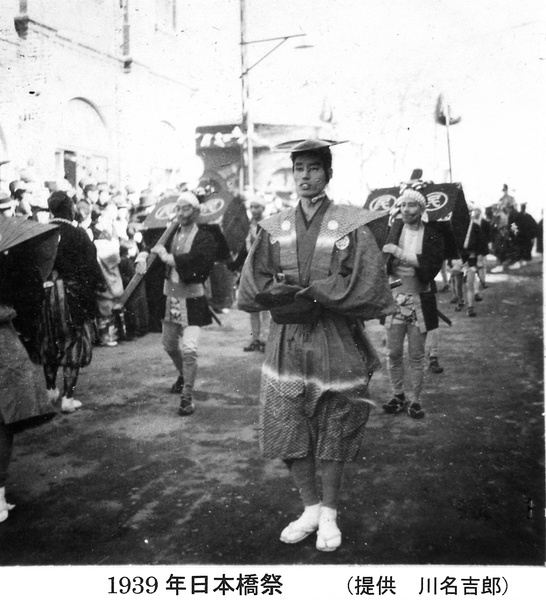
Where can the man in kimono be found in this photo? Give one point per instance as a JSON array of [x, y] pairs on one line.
[[318, 269], [189, 260]]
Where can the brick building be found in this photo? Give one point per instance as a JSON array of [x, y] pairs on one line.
[[96, 88]]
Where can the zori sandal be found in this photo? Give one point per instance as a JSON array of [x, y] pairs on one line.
[[328, 534], [298, 530]]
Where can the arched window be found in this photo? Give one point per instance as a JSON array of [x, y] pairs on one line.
[[82, 143]]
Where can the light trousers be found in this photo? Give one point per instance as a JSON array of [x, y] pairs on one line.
[[396, 334], [184, 356], [433, 339]]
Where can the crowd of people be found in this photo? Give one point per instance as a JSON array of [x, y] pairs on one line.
[[309, 276], [511, 233]]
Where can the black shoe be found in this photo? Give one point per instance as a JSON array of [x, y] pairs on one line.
[[415, 411], [186, 407], [471, 312], [459, 306], [478, 298], [434, 366], [253, 346], [178, 385], [395, 405]]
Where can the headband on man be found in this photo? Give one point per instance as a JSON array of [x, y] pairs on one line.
[[411, 191], [188, 198]]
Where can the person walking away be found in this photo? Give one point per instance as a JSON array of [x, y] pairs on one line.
[[318, 269], [69, 305], [415, 252]]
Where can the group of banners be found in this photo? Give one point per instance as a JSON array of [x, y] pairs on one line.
[[446, 206]]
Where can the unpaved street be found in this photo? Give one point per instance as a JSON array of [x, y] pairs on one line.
[[127, 481]]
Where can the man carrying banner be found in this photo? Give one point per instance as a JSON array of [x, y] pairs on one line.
[[416, 252], [188, 262], [319, 270]]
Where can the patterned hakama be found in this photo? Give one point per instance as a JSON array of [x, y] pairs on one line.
[[315, 376], [314, 392]]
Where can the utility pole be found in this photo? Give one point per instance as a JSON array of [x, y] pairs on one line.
[[246, 177], [247, 151]]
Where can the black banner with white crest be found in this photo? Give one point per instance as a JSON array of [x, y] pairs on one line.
[[446, 207]]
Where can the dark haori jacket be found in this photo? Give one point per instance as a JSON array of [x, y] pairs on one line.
[[77, 265], [195, 266], [430, 261]]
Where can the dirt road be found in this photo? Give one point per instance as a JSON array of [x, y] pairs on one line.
[[127, 481]]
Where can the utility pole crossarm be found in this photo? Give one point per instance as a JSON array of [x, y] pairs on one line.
[[282, 39]]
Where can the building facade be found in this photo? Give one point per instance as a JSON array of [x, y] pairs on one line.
[[95, 89]]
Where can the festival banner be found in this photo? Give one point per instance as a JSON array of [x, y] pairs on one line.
[[446, 205]]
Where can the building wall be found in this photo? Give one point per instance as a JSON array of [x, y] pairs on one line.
[[103, 82]]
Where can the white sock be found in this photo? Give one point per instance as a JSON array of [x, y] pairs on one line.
[[53, 394], [328, 521], [310, 515]]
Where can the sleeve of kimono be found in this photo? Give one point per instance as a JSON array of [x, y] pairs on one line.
[[258, 273], [195, 266], [358, 284]]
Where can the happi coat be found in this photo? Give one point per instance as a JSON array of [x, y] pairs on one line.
[[417, 292], [320, 280]]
